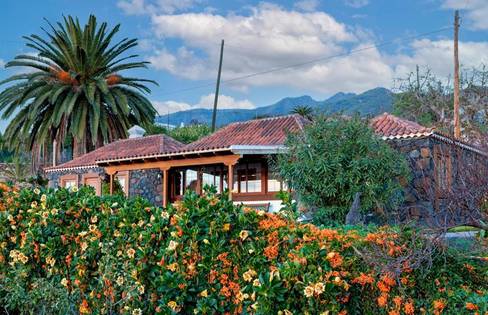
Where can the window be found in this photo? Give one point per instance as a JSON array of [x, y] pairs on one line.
[[442, 169], [214, 176], [247, 178], [68, 181], [275, 183], [123, 179], [92, 180], [191, 180]]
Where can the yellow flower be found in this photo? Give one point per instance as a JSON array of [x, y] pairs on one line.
[[243, 235], [308, 291], [173, 305], [287, 312], [120, 280], [54, 211], [74, 189], [51, 261], [64, 282], [256, 283], [45, 215], [92, 227], [117, 233], [140, 289], [172, 245], [94, 219], [226, 227], [206, 241], [261, 213], [137, 311], [37, 191], [319, 288], [249, 275], [172, 267], [204, 293], [43, 198], [131, 252], [165, 215]]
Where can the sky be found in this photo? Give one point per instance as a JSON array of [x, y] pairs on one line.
[[361, 44]]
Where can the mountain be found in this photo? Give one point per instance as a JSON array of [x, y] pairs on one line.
[[371, 102]]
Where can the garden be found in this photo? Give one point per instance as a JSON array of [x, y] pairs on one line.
[[72, 252]]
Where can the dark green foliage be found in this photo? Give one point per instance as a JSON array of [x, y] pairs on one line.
[[186, 134], [336, 158]]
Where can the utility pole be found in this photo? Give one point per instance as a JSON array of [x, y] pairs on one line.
[[214, 114], [457, 125]]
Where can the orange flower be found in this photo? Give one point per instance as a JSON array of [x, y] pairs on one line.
[[84, 308], [335, 259], [383, 300], [388, 280], [383, 287], [271, 252], [409, 308], [439, 306], [398, 301], [393, 312], [471, 306], [363, 279]]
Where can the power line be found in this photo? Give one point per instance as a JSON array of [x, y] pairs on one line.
[[296, 65]]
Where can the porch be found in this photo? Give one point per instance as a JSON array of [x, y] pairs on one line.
[[249, 176]]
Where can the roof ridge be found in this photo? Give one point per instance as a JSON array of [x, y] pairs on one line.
[[263, 118]]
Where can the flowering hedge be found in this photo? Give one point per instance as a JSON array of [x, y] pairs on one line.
[[72, 252]]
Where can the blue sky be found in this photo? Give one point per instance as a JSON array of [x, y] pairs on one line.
[[181, 38]]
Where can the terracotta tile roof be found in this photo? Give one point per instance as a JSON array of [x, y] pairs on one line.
[[127, 148], [259, 132], [391, 127]]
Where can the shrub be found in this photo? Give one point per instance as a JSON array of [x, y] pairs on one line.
[[72, 252], [335, 158]]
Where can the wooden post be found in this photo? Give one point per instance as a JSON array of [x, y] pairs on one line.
[[111, 184], [217, 87], [457, 125], [165, 186], [230, 179]]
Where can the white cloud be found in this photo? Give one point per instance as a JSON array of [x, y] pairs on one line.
[[271, 36], [267, 38], [139, 7], [206, 101], [476, 11], [2, 64], [356, 3], [438, 56], [307, 5]]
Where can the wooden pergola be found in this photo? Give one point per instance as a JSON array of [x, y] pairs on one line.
[[165, 163]]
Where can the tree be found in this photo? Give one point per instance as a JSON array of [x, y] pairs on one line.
[[335, 158], [304, 111], [424, 97], [185, 134], [74, 88]]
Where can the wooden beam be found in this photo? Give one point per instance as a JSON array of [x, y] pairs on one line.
[[230, 178], [226, 159]]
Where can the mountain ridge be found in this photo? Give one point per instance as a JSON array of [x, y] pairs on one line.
[[371, 102]]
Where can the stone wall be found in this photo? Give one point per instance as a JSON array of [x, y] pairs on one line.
[[422, 202], [54, 177], [147, 184]]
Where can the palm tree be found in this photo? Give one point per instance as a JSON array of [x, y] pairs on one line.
[[74, 89], [304, 111]]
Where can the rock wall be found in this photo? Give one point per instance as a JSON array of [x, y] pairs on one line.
[[422, 200], [147, 184]]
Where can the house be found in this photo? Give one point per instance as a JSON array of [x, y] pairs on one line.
[[161, 169]]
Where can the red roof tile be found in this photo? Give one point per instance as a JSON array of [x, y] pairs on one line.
[[127, 148], [265, 132], [390, 126]]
